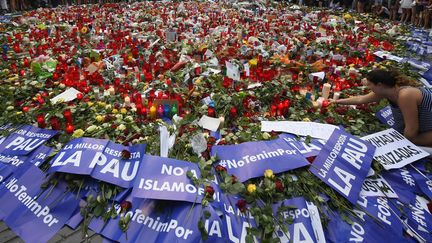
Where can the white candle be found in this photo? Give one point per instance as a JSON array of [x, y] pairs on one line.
[[336, 95], [320, 101], [326, 90]]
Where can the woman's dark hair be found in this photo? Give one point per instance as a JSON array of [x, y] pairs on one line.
[[390, 78]]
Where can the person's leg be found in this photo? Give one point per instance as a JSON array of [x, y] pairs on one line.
[[423, 139], [426, 18], [413, 15]]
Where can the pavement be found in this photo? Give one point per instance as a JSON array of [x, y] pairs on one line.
[[65, 235]]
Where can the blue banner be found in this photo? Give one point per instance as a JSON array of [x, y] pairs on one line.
[[306, 149], [235, 221], [178, 222], [423, 181], [403, 183], [36, 157], [164, 178], [419, 219], [25, 139], [101, 159], [37, 214], [361, 229], [343, 163], [385, 116], [384, 210], [300, 227], [251, 159]]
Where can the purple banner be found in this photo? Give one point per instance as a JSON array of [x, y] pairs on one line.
[[300, 227], [385, 116], [164, 178], [403, 183], [361, 229], [235, 221], [36, 157], [306, 149], [343, 163], [251, 159], [101, 159], [25, 139], [37, 214]]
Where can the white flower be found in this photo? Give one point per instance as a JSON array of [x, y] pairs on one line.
[[92, 128], [128, 118], [121, 127], [266, 135]]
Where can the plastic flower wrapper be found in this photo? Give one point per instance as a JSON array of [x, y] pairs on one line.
[[198, 143]]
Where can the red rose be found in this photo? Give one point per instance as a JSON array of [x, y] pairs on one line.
[[429, 205], [311, 159], [125, 206], [209, 191], [125, 154], [279, 186], [329, 120], [234, 179], [241, 205], [220, 168]]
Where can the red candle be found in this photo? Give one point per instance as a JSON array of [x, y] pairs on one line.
[[70, 129], [41, 121], [211, 112], [68, 116]]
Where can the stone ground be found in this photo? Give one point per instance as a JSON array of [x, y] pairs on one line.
[[65, 235]]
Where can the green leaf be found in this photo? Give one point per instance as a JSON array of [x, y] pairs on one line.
[[98, 210]]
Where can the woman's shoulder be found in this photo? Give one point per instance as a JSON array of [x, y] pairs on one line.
[[409, 93]]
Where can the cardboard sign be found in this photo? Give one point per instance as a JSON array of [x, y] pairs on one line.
[[393, 149]]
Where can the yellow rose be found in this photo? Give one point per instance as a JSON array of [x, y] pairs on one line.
[[78, 133], [307, 118], [269, 174], [123, 110], [115, 111], [253, 62], [90, 103], [251, 188], [99, 118]]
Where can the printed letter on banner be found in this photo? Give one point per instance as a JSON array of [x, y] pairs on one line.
[[385, 116], [39, 214], [300, 227], [393, 150], [251, 159], [164, 178], [101, 159], [25, 139], [343, 163]]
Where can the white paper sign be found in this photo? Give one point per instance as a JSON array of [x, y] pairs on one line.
[[319, 75], [232, 71], [209, 123], [393, 149], [378, 187], [313, 129], [68, 95]]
